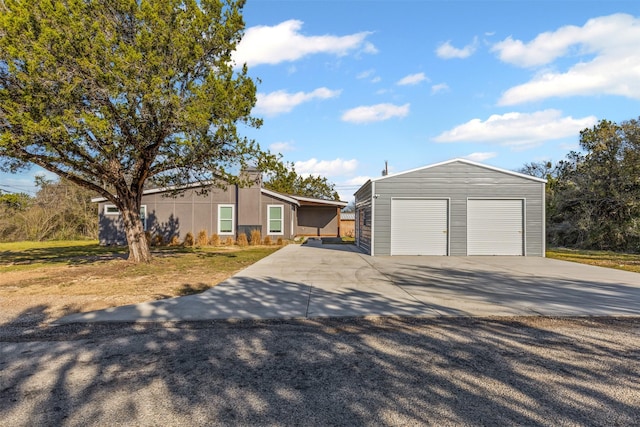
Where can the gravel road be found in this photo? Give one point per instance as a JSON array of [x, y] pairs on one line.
[[379, 371]]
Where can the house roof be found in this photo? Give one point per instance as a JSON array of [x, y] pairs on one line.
[[348, 216], [285, 197], [469, 162], [311, 201], [296, 200], [160, 190]]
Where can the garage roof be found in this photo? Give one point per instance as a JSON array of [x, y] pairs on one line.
[[469, 162]]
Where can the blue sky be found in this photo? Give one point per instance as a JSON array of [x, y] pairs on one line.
[[345, 85]]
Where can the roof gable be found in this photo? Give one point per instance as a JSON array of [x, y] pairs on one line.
[[464, 161]]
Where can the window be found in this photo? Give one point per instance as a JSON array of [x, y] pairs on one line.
[[225, 219], [275, 219], [143, 216], [113, 210]]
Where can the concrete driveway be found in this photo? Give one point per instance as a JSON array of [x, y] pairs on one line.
[[318, 280]]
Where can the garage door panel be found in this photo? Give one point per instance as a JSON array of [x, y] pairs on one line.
[[419, 226], [495, 227]]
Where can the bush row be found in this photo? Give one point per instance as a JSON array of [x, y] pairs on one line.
[[203, 239]]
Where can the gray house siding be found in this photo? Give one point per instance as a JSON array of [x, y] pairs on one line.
[[288, 231], [364, 204], [457, 181], [169, 216], [318, 221]]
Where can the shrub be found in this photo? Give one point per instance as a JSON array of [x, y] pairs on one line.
[[214, 240], [188, 239], [175, 240], [242, 240], [229, 241], [280, 241], [157, 240], [202, 238], [256, 237], [147, 235], [267, 241]]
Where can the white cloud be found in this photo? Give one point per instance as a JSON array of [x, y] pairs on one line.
[[365, 74], [283, 42], [281, 147], [375, 113], [369, 74], [412, 79], [614, 69], [274, 103], [325, 167], [481, 156], [518, 130], [369, 47], [447, 51], [357, 180], [440, 87]]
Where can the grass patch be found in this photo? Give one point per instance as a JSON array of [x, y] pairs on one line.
[[26, 255], [66, 277], [620, 261]]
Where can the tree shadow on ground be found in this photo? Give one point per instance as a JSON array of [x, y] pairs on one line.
[[352, 371], [71, 255], [536, 291]]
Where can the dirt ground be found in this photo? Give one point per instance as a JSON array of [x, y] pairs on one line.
[[378, 371], [38, 295]]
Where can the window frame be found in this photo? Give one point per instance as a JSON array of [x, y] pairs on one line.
[[269, 219], [107, 209], [112, 210], [220, 219]]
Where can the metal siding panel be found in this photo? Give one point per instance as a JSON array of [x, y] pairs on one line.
[[419, 226], [458, 182], [364, 212], [495, 227]]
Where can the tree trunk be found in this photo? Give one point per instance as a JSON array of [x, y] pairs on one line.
[[138, 245]]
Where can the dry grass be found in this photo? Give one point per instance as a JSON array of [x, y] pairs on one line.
[[242, 240], [189, 240], [203, 238], [620, 261], [256, 238], [41, 283]]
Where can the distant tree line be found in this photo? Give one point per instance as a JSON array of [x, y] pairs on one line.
[[60, 210], [286, 180], [593, 196]]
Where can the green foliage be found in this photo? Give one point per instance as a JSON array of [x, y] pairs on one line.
[[59, 211], [110, 94], [286, 180], [593, 197], [14, 202]]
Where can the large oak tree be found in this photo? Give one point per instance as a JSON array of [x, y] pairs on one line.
[[109, 94]]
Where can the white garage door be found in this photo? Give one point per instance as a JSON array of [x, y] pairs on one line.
[[419, 226], [495, 227]]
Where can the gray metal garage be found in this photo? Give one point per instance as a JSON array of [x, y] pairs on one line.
[[457, 207]]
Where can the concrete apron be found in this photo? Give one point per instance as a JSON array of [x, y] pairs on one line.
[[316, 280]]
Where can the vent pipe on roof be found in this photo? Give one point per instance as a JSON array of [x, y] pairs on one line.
[[385, 171]]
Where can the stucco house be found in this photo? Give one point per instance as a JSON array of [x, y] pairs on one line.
[[227, 212], [457, 207]]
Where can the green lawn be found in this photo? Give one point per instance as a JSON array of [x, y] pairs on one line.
[[621, 261]]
